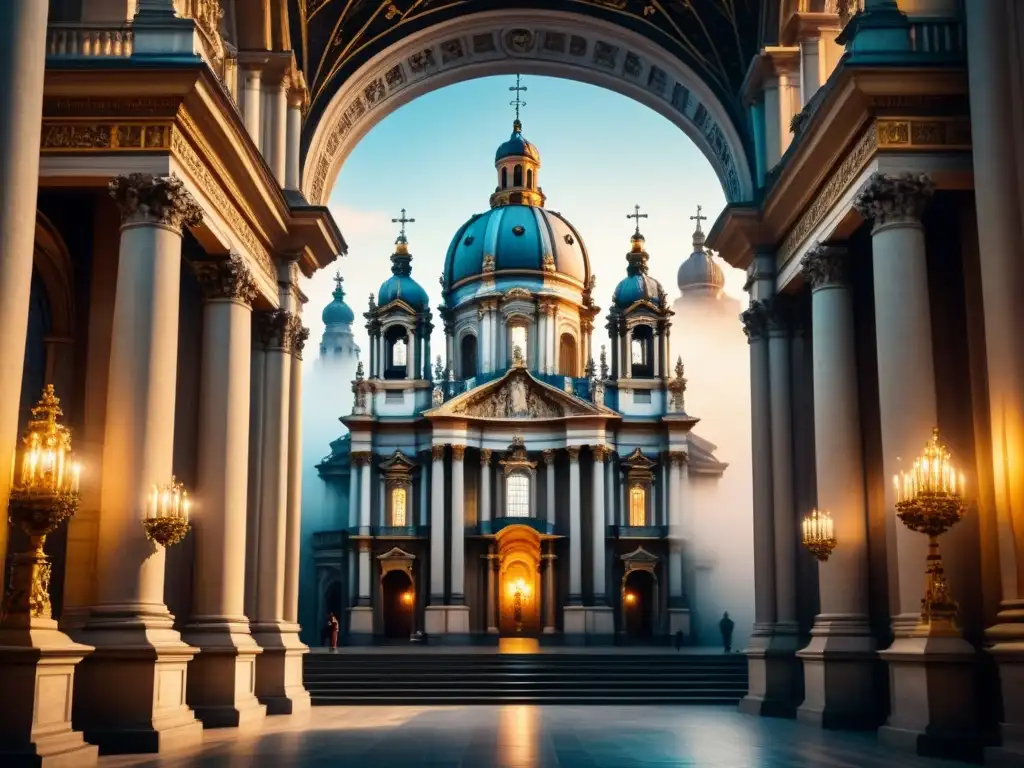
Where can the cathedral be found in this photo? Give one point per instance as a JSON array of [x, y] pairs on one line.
[[514, 487]]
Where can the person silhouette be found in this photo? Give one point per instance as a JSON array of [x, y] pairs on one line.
[[725, 626], [331, 632]]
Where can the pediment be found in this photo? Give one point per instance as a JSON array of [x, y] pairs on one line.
[[639, 557], [518, 395], [396, 554]]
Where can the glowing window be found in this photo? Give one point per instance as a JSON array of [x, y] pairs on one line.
[[519, 339], [639, 352], [517, 493], [398, 353], [637, 506], [398, 507]]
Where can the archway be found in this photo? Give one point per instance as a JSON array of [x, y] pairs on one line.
[[398, 604], [567, 357], [639, 604], [680, 75], [519, 588]]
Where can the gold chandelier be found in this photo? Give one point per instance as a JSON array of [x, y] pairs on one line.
[[818, 534], [167, 513]]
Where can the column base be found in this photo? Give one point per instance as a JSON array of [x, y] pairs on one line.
[[37, 665], [679, 621], [775, 675], [279, 669], [839, 666], [360, 624], [221, 683], [1008, 652], [446, 620], [130, 692], [588, 625]]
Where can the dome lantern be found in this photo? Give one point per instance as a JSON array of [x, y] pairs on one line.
[[700, 274], [338, 312], [401, 285], [517, 162]]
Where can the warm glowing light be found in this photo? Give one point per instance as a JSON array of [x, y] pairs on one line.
[[818, 534], [630, 598], [520, 586], [407, 598], [170, 500], [933, 474], [46, 465]]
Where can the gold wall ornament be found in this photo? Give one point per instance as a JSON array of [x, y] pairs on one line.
[[65, 137], [817, 534], [45, 494], [929, 500], [167, 514]]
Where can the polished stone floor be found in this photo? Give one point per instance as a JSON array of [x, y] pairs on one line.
[[528, 736]]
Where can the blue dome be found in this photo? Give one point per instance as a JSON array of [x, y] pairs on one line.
[[634, 288], [517, 146], [519, 237], [338, 312], [401, 285]]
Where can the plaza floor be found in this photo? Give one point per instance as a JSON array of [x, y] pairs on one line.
[[532, 736]]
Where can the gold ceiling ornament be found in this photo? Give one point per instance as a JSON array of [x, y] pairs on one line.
[[45, 494], [929, 500], [167, 513], [818, 534]]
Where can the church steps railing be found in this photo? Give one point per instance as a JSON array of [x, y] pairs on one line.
[[77, 40]]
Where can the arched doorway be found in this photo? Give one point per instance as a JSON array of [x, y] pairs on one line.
[[639, 604], [567, 356], [519, 586], [398, 604]]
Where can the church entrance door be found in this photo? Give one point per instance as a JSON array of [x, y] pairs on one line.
[[398, 604], [519, 582], [638, 604]]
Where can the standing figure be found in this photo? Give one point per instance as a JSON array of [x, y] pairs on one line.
[[331, 631], [725, 627]]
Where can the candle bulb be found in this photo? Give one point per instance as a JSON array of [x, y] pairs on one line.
[[76, 476]]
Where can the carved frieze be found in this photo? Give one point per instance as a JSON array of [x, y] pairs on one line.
[[226, 279], [516, 398], [148, 199], [79, 137], [824, 266], [889, 199]]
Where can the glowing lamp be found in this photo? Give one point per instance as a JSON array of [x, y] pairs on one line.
[[630, 598], [818, 534], [407, 598], [167, 513]]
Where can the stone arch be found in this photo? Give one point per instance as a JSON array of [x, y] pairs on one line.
[[52, 260], [552, 43]]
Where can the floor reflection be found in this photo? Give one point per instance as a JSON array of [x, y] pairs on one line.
[[518, 645]]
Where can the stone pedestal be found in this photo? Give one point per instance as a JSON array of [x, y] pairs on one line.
[[447, 620], [679, 621], [589, 625], [775, 676], [839, 674], [37, 666], [1009, 656], [221, 677], [279, 671]]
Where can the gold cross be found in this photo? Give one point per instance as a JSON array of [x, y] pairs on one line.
[[636, 215]]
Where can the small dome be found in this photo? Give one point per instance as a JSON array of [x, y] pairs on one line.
[[637, 285], [401, 285], [517, 146], [338, 312], [700, 271]]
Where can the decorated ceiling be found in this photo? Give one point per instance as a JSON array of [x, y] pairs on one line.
[[715, 38]]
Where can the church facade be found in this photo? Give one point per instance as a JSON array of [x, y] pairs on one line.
[[513, 487]]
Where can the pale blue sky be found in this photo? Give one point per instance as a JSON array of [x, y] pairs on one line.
[[601, 153]]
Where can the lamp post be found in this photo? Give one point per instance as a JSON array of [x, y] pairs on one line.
[[929, 500], [45, 495], [818, 535], [167, 513]]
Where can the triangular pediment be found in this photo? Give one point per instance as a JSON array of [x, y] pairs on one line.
[[396, 553], [518, 395], [639, 557], [398, 461]]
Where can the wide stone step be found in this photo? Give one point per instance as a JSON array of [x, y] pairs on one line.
[[589, 699]]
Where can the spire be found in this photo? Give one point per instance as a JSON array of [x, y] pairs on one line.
[[339, 292], [698, 234], [637, 256], [637, 215], [518, 103], [401, 258]]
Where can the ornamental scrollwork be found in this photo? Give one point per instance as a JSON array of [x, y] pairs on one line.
[[226, 279], [889, 199], [825, 265], [754, 320], [148, 199], [298, 334]]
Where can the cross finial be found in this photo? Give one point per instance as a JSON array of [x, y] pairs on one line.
[[698, 218], [338, 280], [636, 215], [518, 102], [403, 221]]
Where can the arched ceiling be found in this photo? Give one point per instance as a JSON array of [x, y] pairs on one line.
[[715, 39]]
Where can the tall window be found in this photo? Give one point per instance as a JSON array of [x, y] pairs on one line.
[[529, 178], [642, 351], [639, 352], [519, 339], [517, 176], [504, 178], [637, 506], [517, 494], [398, 507], [468, 357], [398, 353], [567, 355]]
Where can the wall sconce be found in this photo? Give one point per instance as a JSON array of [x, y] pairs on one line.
[[44, 496], [630, 599], [167, 512], [929, 500], [818, 534]]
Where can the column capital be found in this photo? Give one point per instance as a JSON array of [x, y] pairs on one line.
[[361, 458], [779, 316], [226, 280], [157, 200], [299, 334], [601, 452], [548, 455], [678, 458], [894, 199], [485, 457], [825, 266], [437, 452], [574, 453], [283, 330], [755, 321], [458, 452]]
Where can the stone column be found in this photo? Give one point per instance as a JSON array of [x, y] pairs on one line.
[[549, 462], [294, 537], [458, 532], [491, 563], [677, 464], [437, 498], [275, 145], [141, 708], [839, 661], [353, 493], [293, 160], [220, 688], [485, 485], [410, 354], [908, 410], [360, 615], [252, 100], [424, 510], [365, 511], [549, 593], [279, 667], [575, 535], [257, 408], [998, 200], [599, 528]]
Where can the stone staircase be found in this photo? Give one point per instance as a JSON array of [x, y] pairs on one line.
[[555, 678]]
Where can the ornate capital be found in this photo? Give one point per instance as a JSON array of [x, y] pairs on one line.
[[601, 452], [437, 452], [361, 458], [226, 279], [276, 329], [548, 456], [825, 266], [779, 316], [889, 199], [148, 199], [458, 452], [678, 458], [485, 457], [755, 321], [574, 453], [298, 334]]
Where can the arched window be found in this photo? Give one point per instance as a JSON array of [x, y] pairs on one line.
[[467, 357], [519, 338], [529, 178], [642, 352], [504, 178], [398, 507], [517, 495], [637, 506], [397, 352], [567, 362], [517, 176]]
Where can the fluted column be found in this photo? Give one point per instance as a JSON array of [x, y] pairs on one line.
[[549, 463], [220, 688], [575, 535], [297, 96], [458, 532], [598, 525], [138, 454], [838, 662], [257, 409], [294, 535], [275, 144], [437, 498], [485, 485]]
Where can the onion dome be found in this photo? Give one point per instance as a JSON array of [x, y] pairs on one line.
[[338, 312], [637, 285], [700, 273], [517, 146], [401, 285]]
